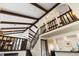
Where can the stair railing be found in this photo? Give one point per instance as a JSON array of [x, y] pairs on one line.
[[34, 40], [8, 43]]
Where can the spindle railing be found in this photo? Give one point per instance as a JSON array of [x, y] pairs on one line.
[[67, 18], [64, 19], [43, 29], [52, 25], [35, 39], [8, 43]]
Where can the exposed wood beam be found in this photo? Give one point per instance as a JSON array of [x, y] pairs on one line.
[[32, 30], [6, 22], [13, 28], [17, 14], [40, 7], [48, 12], [44, 15], [35, 26]]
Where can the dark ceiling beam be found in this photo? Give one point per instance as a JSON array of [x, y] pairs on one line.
[[49, 10], [31, 30], [13, 28], [6, 22], [17, 14], [31, 26], [44, 15], [40, 7], [35, 26]]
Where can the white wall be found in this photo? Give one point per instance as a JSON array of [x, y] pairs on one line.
[[54, 13], [50, 45], [66, 54], [62, 40], [36, 51]]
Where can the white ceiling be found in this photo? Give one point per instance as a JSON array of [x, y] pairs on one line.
[[23, 9], [47, 6], [10, 18], [12, 25]]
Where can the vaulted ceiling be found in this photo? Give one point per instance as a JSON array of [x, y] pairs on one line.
[[18, 17]]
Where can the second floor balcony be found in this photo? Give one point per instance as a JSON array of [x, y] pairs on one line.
[[62, 20]]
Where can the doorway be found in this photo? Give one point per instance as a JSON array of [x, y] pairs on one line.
[[44, 47]]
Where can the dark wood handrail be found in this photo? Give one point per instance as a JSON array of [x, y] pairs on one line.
[[64, 13], [66, 18], [58, 17], [34, 40], [51, 21], [42, 26], [35, 34]]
